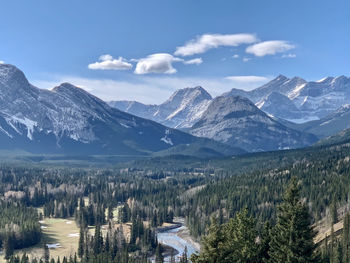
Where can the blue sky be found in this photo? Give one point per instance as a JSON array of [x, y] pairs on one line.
[[144, 50]]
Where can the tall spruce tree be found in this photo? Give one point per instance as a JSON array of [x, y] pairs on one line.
[[46, 254], [9, 245], [346, 238], [240, 239], [81, 242], [212, 245], [292, 236]]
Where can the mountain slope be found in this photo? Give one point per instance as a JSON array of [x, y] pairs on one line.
[[181, 110], [68, 119], [285, 109], [341, 138], [329, 125], [237, 122], [314, 99]]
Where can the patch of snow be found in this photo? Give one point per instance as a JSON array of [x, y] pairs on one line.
[[326, 122], [26, 122], [305, 119], [167, 140], [53, 246], [321, 80], [4, 131], [295, 93], [124, 125], [74, 235], [259, 104]]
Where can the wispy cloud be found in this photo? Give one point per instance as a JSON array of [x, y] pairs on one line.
[[209, 41], [195, 61], [269, 48], [290, 55], [107, 62]]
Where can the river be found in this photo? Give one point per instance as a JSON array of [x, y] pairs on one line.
[[178, 238]]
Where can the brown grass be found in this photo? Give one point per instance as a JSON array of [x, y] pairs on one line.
[[57, 231]]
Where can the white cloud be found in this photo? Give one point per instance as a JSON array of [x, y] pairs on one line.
[[157, 63], [2, 62], [107, 62], [195, 61], [235, 56], [106, 57], [209, 41], [290, 55], [246, 59], [269, 48]]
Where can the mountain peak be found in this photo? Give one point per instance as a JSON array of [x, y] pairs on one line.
[[281, 77], [10, 74], [72, 91], [197, 91], [66, 86], [298, 79]]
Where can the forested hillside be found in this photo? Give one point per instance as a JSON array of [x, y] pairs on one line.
[[124, 205]]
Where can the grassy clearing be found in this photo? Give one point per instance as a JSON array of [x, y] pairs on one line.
[[55, 230]]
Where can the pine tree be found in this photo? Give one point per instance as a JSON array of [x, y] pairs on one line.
[[159, 256], [8, 245], [346, 238], [172, 256], [212, 245], [184, 258], [292, 236], [81, 242], [98, 240], [240, 239], [264, 243], [46, 254]]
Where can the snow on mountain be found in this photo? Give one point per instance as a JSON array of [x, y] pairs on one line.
[[313, 100], [236, 121], [67, 119], [286, 108], [181, 110]]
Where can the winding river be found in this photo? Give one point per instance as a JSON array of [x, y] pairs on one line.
[[178, 238]]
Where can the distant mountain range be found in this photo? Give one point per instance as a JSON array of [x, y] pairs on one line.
[[299, 101], [69, 120], [292, 99]]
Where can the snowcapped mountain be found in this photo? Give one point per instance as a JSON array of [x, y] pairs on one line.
[[313, 100], [68, 119], [236, 121], [181, 110]]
